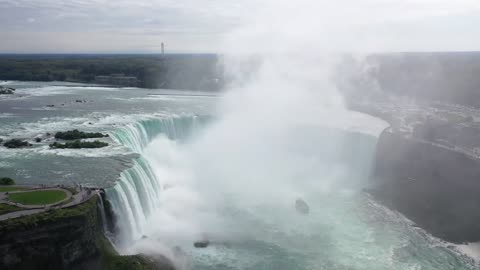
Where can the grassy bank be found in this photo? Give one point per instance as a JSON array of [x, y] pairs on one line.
[[6, 208], [38, 197], [45, 218], [61, 233], [9, 189], [55, 239]]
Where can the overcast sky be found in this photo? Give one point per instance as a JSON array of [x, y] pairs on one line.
[[192, 26]]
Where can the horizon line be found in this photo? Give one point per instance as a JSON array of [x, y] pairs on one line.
[[213, 53]]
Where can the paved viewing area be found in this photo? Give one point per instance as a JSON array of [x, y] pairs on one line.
[[57, 197]]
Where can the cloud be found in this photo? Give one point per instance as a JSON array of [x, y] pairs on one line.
[[198, 25], [99, 15]]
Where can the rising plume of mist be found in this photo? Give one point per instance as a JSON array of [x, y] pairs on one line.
[[267, 145]]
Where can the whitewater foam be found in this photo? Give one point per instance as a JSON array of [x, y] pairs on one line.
[[138, 192]]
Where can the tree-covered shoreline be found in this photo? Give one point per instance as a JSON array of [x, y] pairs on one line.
[[193, 72]]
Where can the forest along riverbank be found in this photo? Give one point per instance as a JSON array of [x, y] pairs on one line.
[[194, 72]]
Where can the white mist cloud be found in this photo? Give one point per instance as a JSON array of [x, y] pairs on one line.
[[200, 25], [272, 140]]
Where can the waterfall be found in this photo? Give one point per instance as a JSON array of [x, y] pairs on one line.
[[137, 191], [134, 197], [139, 134], [103, 216]]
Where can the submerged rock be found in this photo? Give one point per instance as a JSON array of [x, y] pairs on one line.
[[302, 207], [76, 135], [78, 145], [6, 90], [201, 244], [16, 143]]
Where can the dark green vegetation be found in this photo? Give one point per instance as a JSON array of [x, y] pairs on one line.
[[38, 197], [68, 238], [8, 189], [32, 221], [56, 239], [76, 135], [7, 181], [6, 90], [16, 143], [78, 145], [6, 208], [194, 72]]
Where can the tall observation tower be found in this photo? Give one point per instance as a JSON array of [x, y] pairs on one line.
[[163, 48]]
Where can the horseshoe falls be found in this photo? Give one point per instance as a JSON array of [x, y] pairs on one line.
[[201, 177]]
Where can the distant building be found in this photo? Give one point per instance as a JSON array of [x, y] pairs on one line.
[[163, 48], [118, 80]]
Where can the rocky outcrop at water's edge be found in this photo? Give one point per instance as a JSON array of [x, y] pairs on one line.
[[68, 238]]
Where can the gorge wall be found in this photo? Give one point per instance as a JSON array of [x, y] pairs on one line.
[[436, 187], [56, 239], [68, 238]]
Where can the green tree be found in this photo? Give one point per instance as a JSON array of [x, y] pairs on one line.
[[7, 181]]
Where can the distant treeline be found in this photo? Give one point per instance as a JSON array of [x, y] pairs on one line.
[[194, 72], [450, 77]]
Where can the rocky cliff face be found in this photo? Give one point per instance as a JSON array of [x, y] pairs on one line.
[[69, 238], [436, 187], [58, 239]]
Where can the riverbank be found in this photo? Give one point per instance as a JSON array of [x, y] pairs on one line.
[[127, 70], [65, 238], [34, 202], [54, 239]]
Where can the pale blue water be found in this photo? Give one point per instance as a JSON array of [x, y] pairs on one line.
[[345, 229], [25, 115]]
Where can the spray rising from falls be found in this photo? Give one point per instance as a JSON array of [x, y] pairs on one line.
[[244, 201], [282, 133]]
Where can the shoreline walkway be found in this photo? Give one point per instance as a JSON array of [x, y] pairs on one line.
[[82, 195]]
